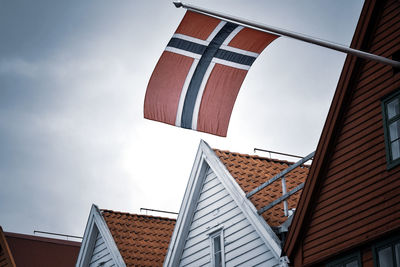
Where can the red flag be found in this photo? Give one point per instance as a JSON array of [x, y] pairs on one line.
[[196, 81]]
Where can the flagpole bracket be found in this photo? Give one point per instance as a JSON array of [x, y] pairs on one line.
[[178, 4]]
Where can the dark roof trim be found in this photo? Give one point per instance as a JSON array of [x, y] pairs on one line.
[[43, 239], [329, 132]]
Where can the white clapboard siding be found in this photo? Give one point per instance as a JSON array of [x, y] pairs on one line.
[[101, 254], [243, 245]]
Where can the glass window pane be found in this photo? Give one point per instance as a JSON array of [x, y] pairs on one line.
[[385, 257], [395, 150], [217, 244], [218, 260], [393, 108], [394, 129], [397, 250], [352, 264]]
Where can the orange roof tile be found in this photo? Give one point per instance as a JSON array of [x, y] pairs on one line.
[[252, 171], [142, 240]]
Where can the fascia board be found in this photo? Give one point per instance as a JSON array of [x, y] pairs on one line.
[[108, 239], [239, 196], [328, 134], [9, 260], [87, 241], [97, 220], [187, 209], [206, 157]]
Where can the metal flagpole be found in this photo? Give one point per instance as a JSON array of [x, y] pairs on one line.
[[282, 32]]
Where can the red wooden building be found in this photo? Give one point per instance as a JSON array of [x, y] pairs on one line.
[[349, 212], [20, 250]]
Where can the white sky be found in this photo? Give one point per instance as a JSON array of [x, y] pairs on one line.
[[73, 76]]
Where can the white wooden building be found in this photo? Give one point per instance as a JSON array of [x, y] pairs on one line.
[[121, 239], [218, 225]]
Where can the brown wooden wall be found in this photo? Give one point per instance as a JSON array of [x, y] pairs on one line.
[[6, 259], [359, 199], [366, 257]]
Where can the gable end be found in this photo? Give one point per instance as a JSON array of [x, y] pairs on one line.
[[208, 174], [98, 246]]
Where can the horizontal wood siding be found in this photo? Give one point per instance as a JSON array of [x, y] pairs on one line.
[[359, 198], [101, 254], [243, 246]]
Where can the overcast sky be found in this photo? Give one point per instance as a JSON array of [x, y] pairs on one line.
[[73, 76]]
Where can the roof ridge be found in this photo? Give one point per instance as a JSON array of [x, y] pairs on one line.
[[259, 157], [138, 215]]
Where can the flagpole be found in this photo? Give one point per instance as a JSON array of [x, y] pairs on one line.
[[282, 32]]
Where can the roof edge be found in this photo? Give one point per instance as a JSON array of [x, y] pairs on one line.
[[206, 158], [43, 239], [328, 132], [3, 244], [275, 160], [96, 224], [186, 210], [140, 215], [245, 205]]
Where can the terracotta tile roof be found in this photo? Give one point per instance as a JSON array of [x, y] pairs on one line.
[[251, 171], [142, 240]]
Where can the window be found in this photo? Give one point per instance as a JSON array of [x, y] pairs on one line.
[[391, 121], [387, 253], [217, 248], [352, 260]]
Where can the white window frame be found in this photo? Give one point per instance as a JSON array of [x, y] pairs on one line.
[[213, 234]]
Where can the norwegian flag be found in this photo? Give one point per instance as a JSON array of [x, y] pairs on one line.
[[197, 79]]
